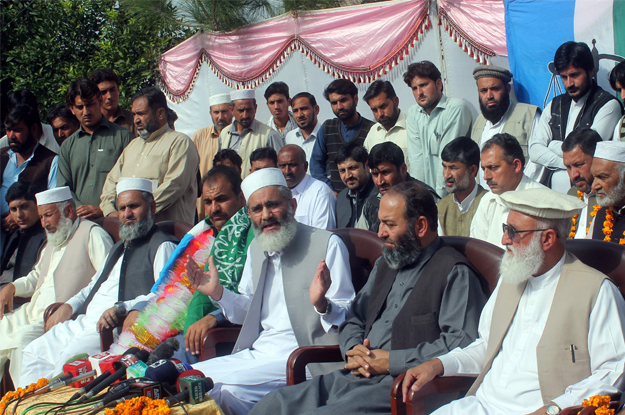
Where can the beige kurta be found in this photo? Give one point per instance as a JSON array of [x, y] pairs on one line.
[[397, 134], [25, 324], [207, 142], [170, 159]]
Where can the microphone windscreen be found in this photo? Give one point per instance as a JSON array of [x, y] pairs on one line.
[[165, 350], [208, 384], [142, 355], [162, 371], [132, 350]]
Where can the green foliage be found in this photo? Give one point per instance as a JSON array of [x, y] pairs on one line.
[[48, 43]]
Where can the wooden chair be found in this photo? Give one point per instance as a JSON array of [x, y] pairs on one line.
[[111, 226], [606, 257]]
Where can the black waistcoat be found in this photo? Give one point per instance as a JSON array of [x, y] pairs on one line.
[[28, 244], [617, 229]]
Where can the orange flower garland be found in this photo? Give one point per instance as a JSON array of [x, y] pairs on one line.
[[21, 392], [575, 219], [602, 403], [141, 405], [608, 227]]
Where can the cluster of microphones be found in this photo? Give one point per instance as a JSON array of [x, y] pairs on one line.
[[135, 373]]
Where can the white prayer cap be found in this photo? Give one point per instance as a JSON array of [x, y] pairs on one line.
[[543, 203], [219, 99], [262, 178], [59, 194], [611, 150], [242, 94], [133, 183]]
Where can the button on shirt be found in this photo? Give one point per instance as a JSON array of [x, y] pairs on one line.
[[316, 204], [307, 144], [397, 134]]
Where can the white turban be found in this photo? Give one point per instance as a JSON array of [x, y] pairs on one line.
[[59, 194]]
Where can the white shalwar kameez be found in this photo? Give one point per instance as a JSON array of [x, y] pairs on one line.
[[316, 203], [511, 385], [242, 379], [45, 357]]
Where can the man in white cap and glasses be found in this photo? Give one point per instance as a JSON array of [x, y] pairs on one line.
[[295, 290], [608, 169], [246, 133], [552, 333], [76, 248], [120, 287]]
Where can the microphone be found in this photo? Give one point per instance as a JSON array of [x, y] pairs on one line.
[[192, 390], [130, 357], [166, 371], [90, 385], [165, 350], [50, 387]]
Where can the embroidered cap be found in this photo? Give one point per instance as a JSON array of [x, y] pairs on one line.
[[262, 178], [543, 203], [490, 71], [134, 183], [611, 150], [242, 94], [219, 99], [59, 194]]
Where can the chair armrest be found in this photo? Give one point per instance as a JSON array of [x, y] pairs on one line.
[[300, 357], [106, 335], [398, 407], [216, 336], [50, 310], [415, 404]]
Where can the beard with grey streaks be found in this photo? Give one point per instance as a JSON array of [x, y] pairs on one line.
[[406, 251], [63, 229], [276, 241], [139, 229]]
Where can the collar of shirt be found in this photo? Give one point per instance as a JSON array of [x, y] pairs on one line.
[[103, 124], [400, 124], [13, 156], [345, 127], [426, 254], [580, 102], [363, 191], [120, 113], [158, 133], [233, 128], [525, 181], [502, 120], [301, 187], [548, 277], [468, 201], [442, 104], [311, 136], [291, 122], [212, 132]]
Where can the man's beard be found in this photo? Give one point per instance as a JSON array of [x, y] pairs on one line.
[[494, 114], [461, 185], [389, 122], [63, 229], [407, 250], [615, 197], [20, 147], [148, 129], [131, 231], [276, 241], [524, 264], [349, 113]]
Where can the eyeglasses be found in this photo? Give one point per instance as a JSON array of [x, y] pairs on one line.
[[513, 232]]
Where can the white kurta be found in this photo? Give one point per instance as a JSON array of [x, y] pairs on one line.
[[580, 232], [296, 137], [547, 152], [511, 386], [244, 378], [25, 324], [46, 356], [316, 203], [397, 134], [492, 213]]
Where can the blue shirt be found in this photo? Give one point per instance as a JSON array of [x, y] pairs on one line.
[[319, 157]]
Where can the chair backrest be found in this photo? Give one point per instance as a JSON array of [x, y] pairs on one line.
[[484, 256], [111, 226], [606, 257], [177, 228], [364, 249]]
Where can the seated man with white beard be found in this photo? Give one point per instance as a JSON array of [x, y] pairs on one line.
[[55, 277], [122, 284], [288, 296], [552, 333]]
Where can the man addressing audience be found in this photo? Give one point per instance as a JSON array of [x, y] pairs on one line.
[[166, 157], [295, 290], [76, 249], [121, 284], [552, 333], [421, 300]]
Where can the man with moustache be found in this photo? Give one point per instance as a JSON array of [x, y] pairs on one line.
[[76, 248], [391, 121], [608, 169], [417, 276], [500, 114], [295, 290], [63, 122], [502, 162], [121, 286], [305, 111], [108, 84], [577, 153], [461, 160], [347, 127], [316, 203], [263, 157], [353, 164], [278, 102], [584, 105], [432, 123], [246, 133], [552, 332]]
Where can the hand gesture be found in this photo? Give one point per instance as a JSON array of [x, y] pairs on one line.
[[418, 376], [109, 318], [206, 282], [197, 331], [63, 313], [6, 299], [319, 287]]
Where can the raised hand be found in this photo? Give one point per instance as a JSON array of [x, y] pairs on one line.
[[206, 282], [319, 287]]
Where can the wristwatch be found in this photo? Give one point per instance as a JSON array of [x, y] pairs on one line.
[[122, 306], [328, 308], [553, 409]]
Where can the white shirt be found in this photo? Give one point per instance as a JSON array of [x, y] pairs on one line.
[[297, 137], [580, 232], [277, 337], [397, 134], [316, 203], [463, 206], [531, 170], [491, 213], [547, 152], [511, 385], [108, 293], [47, 140]]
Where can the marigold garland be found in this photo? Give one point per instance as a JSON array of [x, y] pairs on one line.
[[21, 392], [141, 405], [608, 227], [602, 403]]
